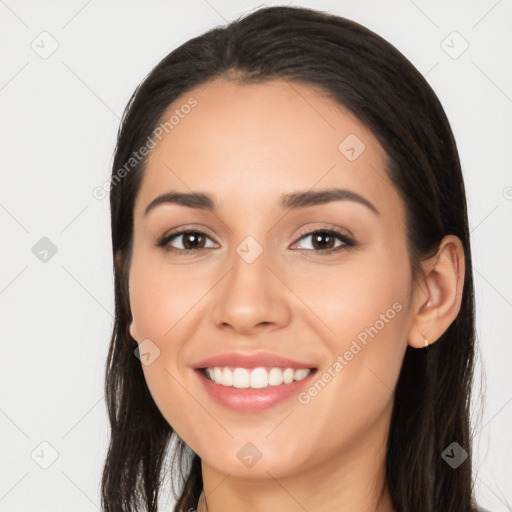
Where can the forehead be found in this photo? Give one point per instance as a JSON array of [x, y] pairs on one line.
[[252, 143]]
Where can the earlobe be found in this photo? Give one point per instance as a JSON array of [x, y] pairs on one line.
[[133, 330], [443, 286]]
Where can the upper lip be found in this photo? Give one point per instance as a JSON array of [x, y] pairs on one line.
[[252, 360]]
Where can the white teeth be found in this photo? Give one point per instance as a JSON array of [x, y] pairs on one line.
[[227, 377], [275, 377], [256, 378], [259, 378], [217, 374], [288, 375], [240, 378], [301, 374]]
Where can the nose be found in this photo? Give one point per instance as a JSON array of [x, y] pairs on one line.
[[252, 297]]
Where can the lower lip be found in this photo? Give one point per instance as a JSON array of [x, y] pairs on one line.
[[252, 400]]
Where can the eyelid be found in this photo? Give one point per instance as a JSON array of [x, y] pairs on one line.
[[327, 227], [194, 228]]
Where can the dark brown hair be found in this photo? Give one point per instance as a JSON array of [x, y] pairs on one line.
[[373, 80]]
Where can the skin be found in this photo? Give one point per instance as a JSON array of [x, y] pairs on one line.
[[246, 145]]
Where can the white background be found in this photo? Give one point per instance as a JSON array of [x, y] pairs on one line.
[[59, 121]]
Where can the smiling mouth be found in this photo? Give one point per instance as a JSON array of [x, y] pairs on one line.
[[255, 378]]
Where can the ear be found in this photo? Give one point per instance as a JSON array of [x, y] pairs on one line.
[[133, 331], [438, 300], [119, 263]]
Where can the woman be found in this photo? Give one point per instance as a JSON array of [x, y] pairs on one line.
[[293, 280]]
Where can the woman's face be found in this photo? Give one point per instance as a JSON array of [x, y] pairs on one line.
[[258, 280]]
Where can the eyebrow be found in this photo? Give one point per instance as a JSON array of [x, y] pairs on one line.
[[292, 200]]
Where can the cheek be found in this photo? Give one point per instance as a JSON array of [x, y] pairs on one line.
[[162, 300], [162, 295], [365, 293], [366, 311]]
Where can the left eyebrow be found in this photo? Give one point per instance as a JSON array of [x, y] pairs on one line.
[[311, 198], [292, 200]]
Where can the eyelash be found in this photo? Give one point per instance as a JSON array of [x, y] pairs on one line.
[[348, 242]]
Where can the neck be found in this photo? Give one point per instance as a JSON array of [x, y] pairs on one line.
[[352, 479]]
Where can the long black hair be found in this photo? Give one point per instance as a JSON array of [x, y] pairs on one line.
[[373, 80]]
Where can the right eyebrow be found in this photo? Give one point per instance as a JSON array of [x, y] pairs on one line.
[[192, 200]]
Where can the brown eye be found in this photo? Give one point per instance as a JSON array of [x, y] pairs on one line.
[[193, 240], [186, 241], [323, 240]]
